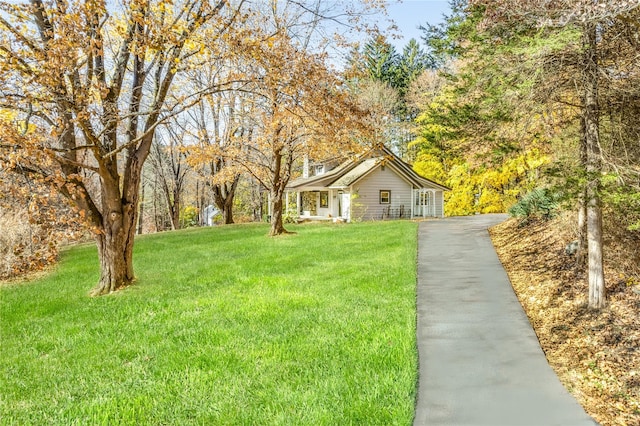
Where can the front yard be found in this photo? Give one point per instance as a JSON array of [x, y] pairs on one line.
[[224, 326]]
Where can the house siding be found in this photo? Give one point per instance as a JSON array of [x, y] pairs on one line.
[[367, 204]]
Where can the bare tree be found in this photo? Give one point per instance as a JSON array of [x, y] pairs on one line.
[[168, 161], [90, 82]]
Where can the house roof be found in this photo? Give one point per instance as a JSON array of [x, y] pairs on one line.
[[351, 171], [324, 179], [356, 173]]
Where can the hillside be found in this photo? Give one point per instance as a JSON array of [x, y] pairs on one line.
[[596, 355]]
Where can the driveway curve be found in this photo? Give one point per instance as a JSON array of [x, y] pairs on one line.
[[480, 360]]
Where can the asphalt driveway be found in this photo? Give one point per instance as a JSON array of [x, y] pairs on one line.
[[480, 360]]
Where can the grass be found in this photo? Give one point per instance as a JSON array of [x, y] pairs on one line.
[[224, 326]]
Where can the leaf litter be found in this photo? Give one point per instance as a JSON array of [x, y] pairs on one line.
[[595, 354]]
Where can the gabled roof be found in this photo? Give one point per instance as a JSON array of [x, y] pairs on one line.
[[356, 173], [324, 179], [351, 171]]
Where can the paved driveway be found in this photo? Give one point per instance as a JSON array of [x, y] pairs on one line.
[[480, 360]]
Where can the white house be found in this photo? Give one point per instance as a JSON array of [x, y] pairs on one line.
[[208, 215], [374, 186]]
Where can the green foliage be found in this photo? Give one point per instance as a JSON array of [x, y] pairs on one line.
[[539, 203], [446, 41], [223, 326], [623, 200], [482, 129], [379, 62], [189, 216]]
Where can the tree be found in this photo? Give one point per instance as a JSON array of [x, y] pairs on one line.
[[218, 124], [35, 222], [411, 64], [228, 122], [297, 108], [168, 161], [91, 83], [379, 62], [593, 22]]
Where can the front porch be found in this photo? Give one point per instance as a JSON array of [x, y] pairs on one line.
[[326, 204], [318, 204]]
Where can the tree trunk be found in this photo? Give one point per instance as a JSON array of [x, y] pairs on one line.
[[277, 225], [597, 290], [582, 232], [581, 254], [115, 250], [227, 213], [174, 209], [281, 173], [597, 294], [223, 195], [141, 211]]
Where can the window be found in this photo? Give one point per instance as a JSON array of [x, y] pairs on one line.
[[423, 198], [324, 199], [385, 197]]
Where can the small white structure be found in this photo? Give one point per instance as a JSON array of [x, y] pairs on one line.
[[377, 185], [208, 215]]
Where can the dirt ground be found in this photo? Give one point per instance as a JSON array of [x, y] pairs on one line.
[[595, 354]]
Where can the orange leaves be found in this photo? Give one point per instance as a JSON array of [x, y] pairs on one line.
[[34, 222]]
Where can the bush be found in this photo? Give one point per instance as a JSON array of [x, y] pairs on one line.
[[35, 222], [189, 217], [541, 202]]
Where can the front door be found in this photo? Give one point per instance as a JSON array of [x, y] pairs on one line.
[[424, 203]]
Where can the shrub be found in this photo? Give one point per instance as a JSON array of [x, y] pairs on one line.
[[35, 222], [541, 202], [189, 217]]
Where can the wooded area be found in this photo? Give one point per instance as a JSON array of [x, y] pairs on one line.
[[541, 97]]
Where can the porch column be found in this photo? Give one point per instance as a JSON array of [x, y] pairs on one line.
[[286, 198], [424, 202], [298, 202], [413, 202]]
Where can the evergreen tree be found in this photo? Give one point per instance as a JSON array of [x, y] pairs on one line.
[[378, 61]]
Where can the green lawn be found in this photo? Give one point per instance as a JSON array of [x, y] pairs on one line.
[[224, 326]]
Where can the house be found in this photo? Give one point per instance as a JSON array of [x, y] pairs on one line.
[[208, 215], [376, 185]]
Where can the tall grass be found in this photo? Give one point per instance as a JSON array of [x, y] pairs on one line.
[[223, 326]]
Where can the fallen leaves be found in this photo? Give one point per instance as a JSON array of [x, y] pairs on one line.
[[595, 354]]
